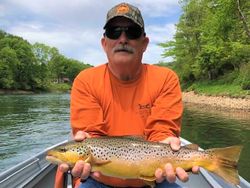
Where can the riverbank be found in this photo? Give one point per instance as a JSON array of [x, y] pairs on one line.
[[15, 92], [52, 88], [220, 102]]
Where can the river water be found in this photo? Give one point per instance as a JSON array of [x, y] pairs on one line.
[[31, 123]]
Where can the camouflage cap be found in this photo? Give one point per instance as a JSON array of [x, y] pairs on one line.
[[125, 10]]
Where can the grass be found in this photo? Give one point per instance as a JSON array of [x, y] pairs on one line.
[[215, 88], [62, 87]]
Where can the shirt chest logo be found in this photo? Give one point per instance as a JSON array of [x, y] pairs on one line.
[[144, 110]]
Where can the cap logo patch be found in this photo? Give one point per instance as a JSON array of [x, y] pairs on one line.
[[122, 9]]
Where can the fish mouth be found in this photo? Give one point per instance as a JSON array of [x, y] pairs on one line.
[[53, 159]]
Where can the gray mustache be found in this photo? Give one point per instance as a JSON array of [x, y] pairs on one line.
[[124, 48]]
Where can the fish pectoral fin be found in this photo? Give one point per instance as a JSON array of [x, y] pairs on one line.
[[148, 180], [89, 159], [192, 146], [101, 162]]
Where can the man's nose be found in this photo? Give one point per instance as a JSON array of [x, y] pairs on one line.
[[123, 38]]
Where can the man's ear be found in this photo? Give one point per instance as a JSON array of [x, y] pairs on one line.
[[145, 43], [103, 41]]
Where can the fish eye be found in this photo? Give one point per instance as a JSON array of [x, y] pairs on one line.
[[62, 149]]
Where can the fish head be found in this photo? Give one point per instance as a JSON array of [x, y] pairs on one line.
[[68, 153]]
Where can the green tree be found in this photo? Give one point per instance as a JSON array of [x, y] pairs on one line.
[[44, 53], [25, 74], [73, 69], [57, 67], [2, 34], [32, 67], [8, 68], [211, 40]]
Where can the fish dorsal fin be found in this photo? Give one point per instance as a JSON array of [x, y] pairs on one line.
[[192, 146], [135, 137], [148, 180], [130, 137]]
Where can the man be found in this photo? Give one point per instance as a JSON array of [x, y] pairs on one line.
[[126, 97]]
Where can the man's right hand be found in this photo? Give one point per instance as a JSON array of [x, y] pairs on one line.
[[81, 169]]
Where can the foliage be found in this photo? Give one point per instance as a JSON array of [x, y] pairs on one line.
[[215, 88], [244, 76], [55, 87], [34, 67], [8, 67], [212, 41]]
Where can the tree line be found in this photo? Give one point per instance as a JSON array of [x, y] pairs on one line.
[[212, 42], [33, 67]]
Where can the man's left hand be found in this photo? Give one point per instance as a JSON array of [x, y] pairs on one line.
[[169, 173]]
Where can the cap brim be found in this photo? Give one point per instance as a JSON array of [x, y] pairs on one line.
[[125, 16]]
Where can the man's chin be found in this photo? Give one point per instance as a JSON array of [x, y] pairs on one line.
[[123, 59]]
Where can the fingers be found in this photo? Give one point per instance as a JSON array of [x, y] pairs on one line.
[[195, 169], [174, 142], [86, 171], [170, 174], [159, 175], [81, 135], [166, 174], [64, 167], [81, 169], [182, 174], [95, 175]]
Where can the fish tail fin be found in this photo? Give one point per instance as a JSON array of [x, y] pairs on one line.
[[225, 163]]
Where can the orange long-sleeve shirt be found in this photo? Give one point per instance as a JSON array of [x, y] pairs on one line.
[[150, 106]]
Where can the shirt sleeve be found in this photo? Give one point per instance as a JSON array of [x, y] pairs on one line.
[[166, 112], [86, 112]]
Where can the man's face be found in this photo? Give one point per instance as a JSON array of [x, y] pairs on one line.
[[124, 49]]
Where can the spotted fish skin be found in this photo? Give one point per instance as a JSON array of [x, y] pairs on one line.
[[133, 158], [133, 150], [128, 149]]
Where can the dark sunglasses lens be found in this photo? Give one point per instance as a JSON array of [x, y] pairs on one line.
[[113, 32], [132, 32]]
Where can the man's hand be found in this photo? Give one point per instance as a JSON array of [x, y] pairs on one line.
[[168, 173], [81, 169]]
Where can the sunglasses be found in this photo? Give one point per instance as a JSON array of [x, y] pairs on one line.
[[132, 32]]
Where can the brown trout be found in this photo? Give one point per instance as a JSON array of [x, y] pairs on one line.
[[135, 158]]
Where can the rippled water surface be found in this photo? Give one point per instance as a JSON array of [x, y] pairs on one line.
[[210, 128], [31, 123]]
